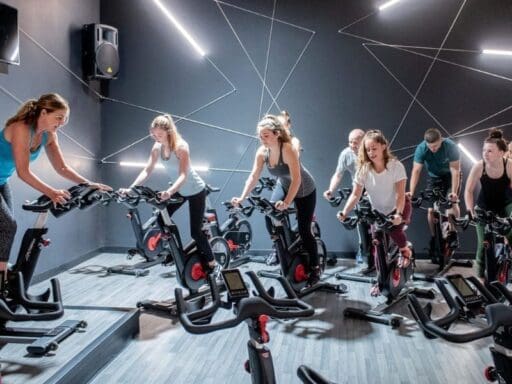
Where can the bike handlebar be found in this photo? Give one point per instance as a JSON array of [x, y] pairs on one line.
[[434, 195], [248, 308], [246, 211], [268, 208], [497, 315], [499, 225], [264, 183], [343, 194], [82, 196]]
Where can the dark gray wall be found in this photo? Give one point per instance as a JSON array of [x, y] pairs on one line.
[[55, 25], [336, 86]]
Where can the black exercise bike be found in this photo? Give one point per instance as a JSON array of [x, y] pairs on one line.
[[236, 230], [496, 250], [441, 249], [16, 304], [255, 311], [498, 317], [293, 259], [391, 279], [191, 269]]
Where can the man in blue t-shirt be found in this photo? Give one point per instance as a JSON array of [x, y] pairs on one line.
[[441, 157]]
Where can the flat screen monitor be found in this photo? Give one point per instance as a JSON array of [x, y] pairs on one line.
[[9, 35]]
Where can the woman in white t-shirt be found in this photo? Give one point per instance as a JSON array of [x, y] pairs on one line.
[[383, 177]]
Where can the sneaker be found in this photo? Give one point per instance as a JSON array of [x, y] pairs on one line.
[[314, 276], [214, 271], [367, 270], [332, 261], [272, 258], [359, 257], [452, 239]]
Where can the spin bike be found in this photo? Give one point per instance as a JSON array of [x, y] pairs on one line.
[[441, 251], [364, 233], [16, 304], [236, 229], [191, 270], [391, 278], [255, 311], [148, 236], [293, 259], [496, 250], [498, 318]]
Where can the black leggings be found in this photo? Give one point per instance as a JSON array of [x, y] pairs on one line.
[[7, 223], [305, 210], [196, 207]]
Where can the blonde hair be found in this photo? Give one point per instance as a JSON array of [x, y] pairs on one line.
[[363, 161], [166, 123], [272, 122], [31, 109]]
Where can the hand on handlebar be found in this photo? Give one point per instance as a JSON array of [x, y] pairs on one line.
[[409, 195], [165, 195], [396, 219], [124, 191], [328, 195], [59, 196], [236, 201], [341, 216], [101, 187], [453, 197], [281, 205]]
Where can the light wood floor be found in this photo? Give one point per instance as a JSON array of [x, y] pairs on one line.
[[346, 351]]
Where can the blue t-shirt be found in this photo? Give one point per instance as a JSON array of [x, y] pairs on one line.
[[438, 163], [7, 165]]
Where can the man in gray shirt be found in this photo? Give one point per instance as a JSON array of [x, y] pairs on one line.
[[347, 161]]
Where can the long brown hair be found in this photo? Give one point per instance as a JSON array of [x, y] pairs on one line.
[[272, 122], [31, 109], [363, 161], [166, 123]]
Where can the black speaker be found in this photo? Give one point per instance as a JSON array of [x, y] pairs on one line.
[[100, 56]]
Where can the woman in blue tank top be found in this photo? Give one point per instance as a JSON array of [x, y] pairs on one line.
[[282, 160], [33, 127], [169, 146]]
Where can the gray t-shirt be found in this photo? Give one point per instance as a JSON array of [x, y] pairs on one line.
[[347, 161]]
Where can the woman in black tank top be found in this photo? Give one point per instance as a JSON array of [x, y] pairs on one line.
[[282, 160], [495, 174]]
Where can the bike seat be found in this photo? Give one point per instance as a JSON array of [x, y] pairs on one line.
[[210, 188], [499, 314]]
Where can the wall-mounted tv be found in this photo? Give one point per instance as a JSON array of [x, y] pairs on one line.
[[9, 35]]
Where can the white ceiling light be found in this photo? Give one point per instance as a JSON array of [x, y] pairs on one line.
[[180, 28]]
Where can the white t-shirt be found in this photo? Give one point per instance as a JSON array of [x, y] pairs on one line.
[[381, 186]]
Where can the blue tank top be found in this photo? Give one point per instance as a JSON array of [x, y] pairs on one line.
[[7, 165], [193, 183], [282, 171]]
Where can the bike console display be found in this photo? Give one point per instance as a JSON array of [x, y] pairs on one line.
[[464, 290], [234, 284]]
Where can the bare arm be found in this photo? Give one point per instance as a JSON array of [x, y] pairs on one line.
[[474, 176], [251, 181], [291, 158], [296, 145], [56, 158], [415, 177], [352, 200], [400, 196], [455, 172], [150, 166]]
